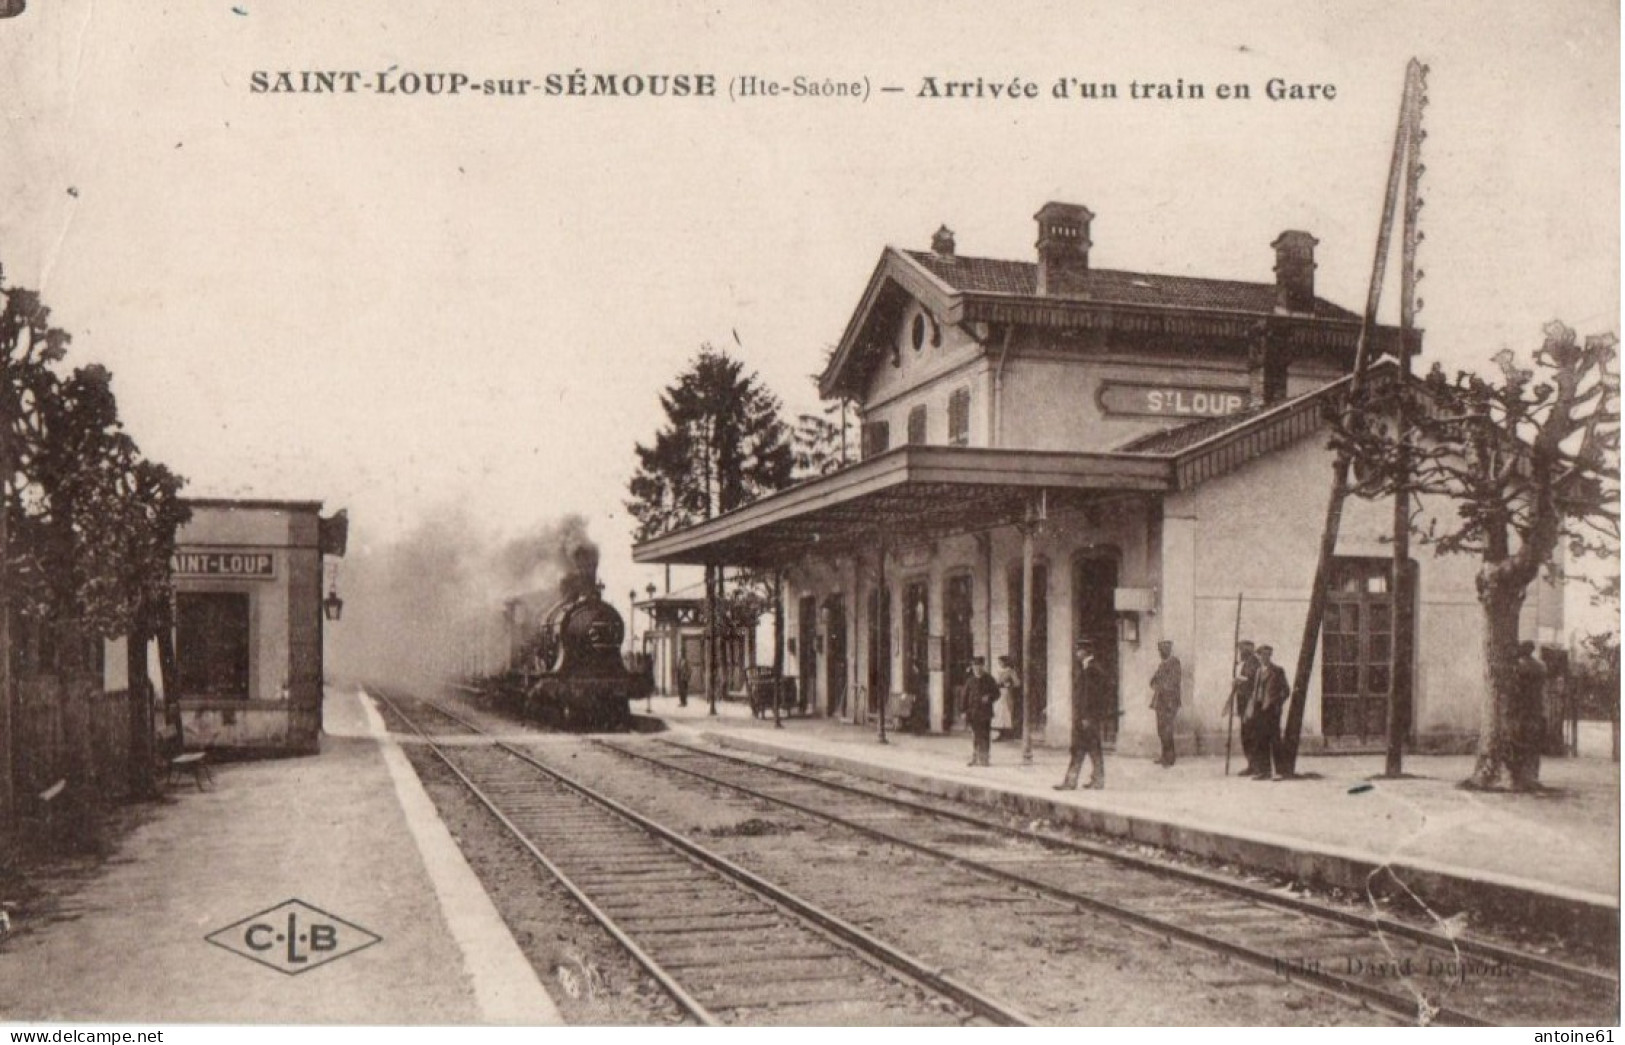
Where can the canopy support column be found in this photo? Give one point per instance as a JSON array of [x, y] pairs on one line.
[[880, 603], [1036, 510]]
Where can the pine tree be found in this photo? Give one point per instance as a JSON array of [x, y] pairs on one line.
[[723, 446], [824, 444]]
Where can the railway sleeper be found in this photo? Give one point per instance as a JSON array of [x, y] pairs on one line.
[[623, 886], [731, 925], [747, 962], [831, 989], [639, 918]]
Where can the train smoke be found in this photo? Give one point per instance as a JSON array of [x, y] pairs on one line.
[[429, 607]]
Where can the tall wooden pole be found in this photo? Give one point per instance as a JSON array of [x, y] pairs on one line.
[[1235, 666], [1402, 576], [1340, 466]]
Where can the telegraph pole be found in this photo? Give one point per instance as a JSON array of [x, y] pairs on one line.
[[1403, 577], [1406, 137]]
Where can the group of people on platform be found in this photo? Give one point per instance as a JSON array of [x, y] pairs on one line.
[[1258, 694]]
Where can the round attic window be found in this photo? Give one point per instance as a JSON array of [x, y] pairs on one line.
[[917, 334]]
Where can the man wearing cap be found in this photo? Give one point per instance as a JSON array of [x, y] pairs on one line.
[[1165, 699], [1270, 692], [1091, 703], [980, 694], [1241, 695]]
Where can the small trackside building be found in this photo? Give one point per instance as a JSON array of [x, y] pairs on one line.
[[246, 668], [1053, 451]]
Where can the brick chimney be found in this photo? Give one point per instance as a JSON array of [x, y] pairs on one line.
[[1266, 370], [1295, 271], [942, 242], [1063, 244]]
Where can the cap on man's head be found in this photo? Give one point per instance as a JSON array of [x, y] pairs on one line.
[[1165, 644], [1245, 643], [978, 660], [1266, 649], [1003, 659]]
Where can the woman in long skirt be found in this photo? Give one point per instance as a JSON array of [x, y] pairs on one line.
[[1004, 713]]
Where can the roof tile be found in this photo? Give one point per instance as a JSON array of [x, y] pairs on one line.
[[1018, 278]]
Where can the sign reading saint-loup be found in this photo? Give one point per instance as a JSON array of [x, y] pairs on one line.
[[223, 562], [1124, 397]]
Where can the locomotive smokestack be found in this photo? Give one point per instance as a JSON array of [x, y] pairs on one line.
[[559, 558], [584, 562], [582, 555]]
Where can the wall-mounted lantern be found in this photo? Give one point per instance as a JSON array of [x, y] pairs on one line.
[[332, 605]]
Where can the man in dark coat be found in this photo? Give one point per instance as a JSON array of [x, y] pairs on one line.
[[1270, 692], [1091, 705], [1529, 711], [1241, 695], [1165, 699], [682, 680], [979, 695]]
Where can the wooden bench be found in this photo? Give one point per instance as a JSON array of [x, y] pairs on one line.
[[191, 762]]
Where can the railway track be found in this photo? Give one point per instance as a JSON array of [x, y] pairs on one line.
[[1410, 973], [725, 945]]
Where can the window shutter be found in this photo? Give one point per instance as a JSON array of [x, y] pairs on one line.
[[876, 437], [916, 426], [959, 418]]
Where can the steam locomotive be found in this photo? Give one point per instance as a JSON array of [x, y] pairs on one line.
[[569, 673]]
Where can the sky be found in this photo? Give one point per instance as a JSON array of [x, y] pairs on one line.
[[464, 308]]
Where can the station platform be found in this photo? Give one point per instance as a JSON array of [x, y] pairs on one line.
[[348, 832], [1552, 857]]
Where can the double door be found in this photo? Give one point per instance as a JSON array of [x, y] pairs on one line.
[[1357, 649]]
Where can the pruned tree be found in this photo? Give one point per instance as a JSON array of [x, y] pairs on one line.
[[723, 446], [1531, 463]]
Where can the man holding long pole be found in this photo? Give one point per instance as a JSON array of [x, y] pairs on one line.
[[1230, 706], [1241, 703]]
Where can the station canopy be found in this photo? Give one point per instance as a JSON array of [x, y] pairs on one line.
[[916, 492], [906, 494]]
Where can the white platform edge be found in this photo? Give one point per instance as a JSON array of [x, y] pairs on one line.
[[505, 986]]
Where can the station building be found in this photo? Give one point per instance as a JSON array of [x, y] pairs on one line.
[[246, 671], [674, 631], [1140, 450]]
